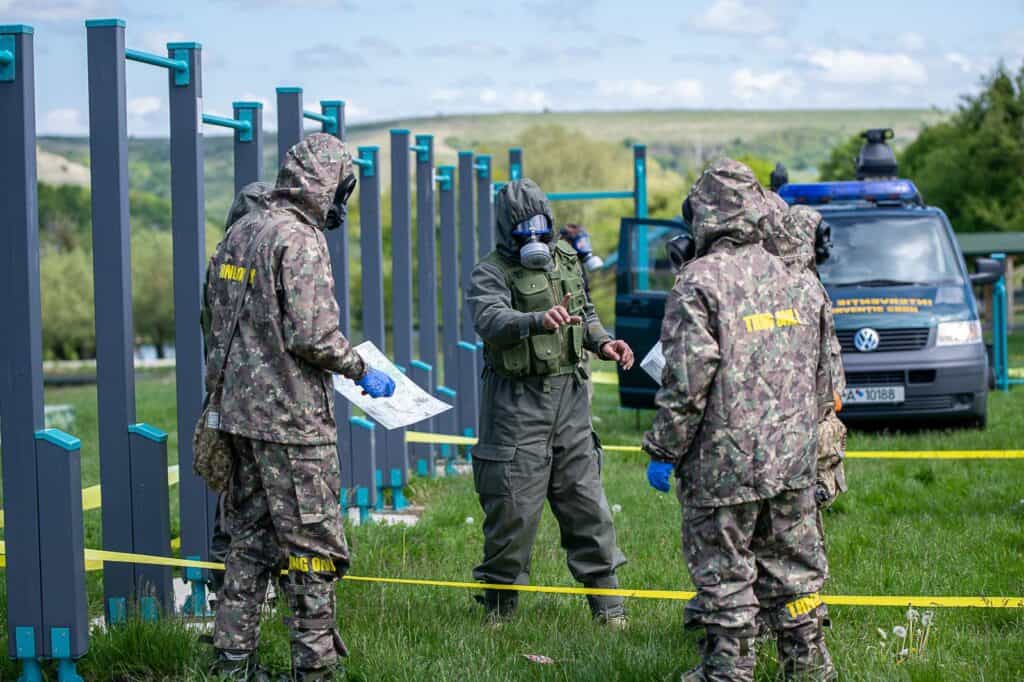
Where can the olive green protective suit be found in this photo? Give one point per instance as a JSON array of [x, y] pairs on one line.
[[536, 438]]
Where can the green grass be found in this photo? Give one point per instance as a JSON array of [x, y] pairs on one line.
[[905, 528]]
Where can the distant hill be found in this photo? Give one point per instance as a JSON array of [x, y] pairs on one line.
[[680, 140]]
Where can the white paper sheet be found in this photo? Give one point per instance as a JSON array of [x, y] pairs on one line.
[[654, 363], [410, 403]]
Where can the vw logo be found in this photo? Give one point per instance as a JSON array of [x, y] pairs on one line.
[[866, 340]]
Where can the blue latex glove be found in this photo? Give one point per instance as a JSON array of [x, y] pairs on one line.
[[658, 474], [377, 384]]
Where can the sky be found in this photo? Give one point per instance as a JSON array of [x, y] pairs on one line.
[[390, 59]]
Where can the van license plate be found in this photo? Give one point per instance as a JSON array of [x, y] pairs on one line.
[[874, 395]]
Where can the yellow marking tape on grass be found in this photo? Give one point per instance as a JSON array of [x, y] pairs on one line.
[[675, 595], [609, 378], [442, 439]]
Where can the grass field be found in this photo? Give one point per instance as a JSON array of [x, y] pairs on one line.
[[905, 528]]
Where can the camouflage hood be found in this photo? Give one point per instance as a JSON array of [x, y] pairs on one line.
[[518, 201], [253, 197], [793, 236], [310, 175], [728, 206]]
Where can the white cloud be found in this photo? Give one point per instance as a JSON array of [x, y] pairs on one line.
[[960, 61], [61, 10], [528, 99], [64, 122], [446, 95], [489, 96], [685, 92], [911, 41], [774, 42], [143, 106], [156, 41], [854, 67], [751, 87], [354, 112], [736, 17]]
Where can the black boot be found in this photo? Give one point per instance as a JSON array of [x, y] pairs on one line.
[[499, 605], [238, 666], [725, 657]]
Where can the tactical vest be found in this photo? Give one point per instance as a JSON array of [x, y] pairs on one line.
[[545, 353]]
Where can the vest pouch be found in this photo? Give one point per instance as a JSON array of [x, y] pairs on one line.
[[531, 291], [575, 345], [514, 361], [547, 351]]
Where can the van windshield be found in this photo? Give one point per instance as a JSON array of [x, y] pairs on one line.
[[889, 251]]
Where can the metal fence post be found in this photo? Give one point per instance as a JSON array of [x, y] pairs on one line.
[[62, 551], [467, 239], [248, 145], [401, 248], [151, 523], [449, 273], [484, 205], [188, 228], [423, 453], [1000, 346], [21, 363], [468, 388], [426, 250], [289, 121], [115, 373], [640, 210], [447, 423], [337, 246], [515, 163], [364, 462]]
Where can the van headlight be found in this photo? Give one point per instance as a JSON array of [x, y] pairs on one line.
[[958, 333]]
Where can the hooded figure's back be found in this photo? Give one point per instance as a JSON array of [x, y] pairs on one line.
[[739, 389], [277, 382]]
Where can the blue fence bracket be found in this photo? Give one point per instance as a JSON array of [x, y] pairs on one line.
[[397, 491], [8, 54], [363, 502], [25, 649], [444, 176], [196, 604], [328, 123], [447, 425], [483, 166], [515, 163], [378, 483], [423, 147], [60, 647], [178, 64], [242, 126], [365, 161], [118, 609]]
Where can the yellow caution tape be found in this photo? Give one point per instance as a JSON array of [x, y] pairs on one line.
[[609, 378], [675, 595], [444, 439]]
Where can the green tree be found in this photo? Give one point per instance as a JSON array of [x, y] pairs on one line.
[[972, 166], [152, 288], [66, 293], [841, 163]]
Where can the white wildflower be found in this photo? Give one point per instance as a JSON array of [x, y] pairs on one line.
[[469, 520], [883, 633], [926, 619], [899, 631], [913, 615], [904, 652], [616, 508]]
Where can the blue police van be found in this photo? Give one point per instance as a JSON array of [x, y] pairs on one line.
[[904, 307]]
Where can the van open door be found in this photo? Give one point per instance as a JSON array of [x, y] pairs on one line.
[[643, 279]]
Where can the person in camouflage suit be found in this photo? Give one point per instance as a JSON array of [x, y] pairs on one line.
[[282, 510], [794, 238], [253, 197], [745, 379], [537, 442]]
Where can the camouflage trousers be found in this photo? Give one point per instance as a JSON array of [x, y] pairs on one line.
[[282, 512]]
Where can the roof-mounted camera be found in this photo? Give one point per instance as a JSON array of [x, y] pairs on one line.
[[876, 159]]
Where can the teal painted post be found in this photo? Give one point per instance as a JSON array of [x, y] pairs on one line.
[[21, 362], [111, 253], [248, 145], [446, 423], [289, 121], [151, 522], [999, 330], [640, 209], [468, 390], [484, 205], [62, 550], [515, 163], [448, 273], [364, 463], [467, 241], [423, 453]]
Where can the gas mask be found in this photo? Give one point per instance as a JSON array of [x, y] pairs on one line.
[[579, 238], [687, 211], [822, 242], [533, 236], [681, 250], [338, 212]]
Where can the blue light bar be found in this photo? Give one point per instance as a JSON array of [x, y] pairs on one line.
[[874, 191]]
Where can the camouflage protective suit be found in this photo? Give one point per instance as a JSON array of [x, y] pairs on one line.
[[793, 240], [746, 376], [282, 507], [536, 437], [254, 197]]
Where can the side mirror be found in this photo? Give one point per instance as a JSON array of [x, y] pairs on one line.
[[987, 270]]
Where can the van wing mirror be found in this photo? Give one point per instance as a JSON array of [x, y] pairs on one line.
[[987, 270]]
